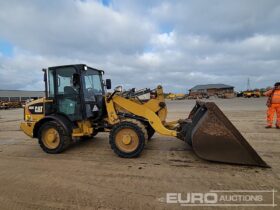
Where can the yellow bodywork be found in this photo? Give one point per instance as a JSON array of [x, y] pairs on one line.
[[27, 128], [31, 119], [84, 129], [147, 110], [252, 93], [154, 111], [176, 96]]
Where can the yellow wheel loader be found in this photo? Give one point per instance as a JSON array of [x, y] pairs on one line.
[[77, 106]]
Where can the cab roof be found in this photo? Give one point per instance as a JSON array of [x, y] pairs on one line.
[[78, 66]]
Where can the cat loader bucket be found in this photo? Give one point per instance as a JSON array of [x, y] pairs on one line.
[[213, 137]]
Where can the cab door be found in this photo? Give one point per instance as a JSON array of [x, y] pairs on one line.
[[93, 92], [66, 94]]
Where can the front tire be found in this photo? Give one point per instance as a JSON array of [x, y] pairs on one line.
[[150, 131], [127, 139], [53, 138]]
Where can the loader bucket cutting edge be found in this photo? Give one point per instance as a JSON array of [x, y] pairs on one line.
[[213, 137]]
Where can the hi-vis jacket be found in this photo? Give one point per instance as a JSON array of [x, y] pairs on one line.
[[274, 95]]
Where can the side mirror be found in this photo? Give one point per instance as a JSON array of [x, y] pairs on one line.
[[118, 88], [108, 84], [76, 79]]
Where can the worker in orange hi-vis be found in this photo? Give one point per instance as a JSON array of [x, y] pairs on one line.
[[273, 104]]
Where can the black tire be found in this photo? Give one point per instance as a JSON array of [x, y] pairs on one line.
[[94, 133], [150, 131], [64, 137], [141, 139]]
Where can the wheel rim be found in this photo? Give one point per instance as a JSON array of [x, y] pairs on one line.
[[51, 138], [127, 140]]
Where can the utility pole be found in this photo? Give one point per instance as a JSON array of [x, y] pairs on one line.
[[248, 84]]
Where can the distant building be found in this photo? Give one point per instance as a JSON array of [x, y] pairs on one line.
[[211, 89], [20, 95]]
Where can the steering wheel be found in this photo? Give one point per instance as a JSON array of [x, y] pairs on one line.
[[89, 93]]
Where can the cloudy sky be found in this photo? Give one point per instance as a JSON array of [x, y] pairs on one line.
[[142, 43]]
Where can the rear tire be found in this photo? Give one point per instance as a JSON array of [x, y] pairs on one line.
[[127, 139], [53, 138]]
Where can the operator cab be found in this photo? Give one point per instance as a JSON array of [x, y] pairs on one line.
[[77, 91]]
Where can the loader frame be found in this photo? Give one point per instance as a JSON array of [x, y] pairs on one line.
[[130, 121], [147, 111]]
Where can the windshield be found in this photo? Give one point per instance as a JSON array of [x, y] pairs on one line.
[[92, 85]]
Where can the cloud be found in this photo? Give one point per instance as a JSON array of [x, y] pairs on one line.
[[65, 28], [219, 19], [178, 44]]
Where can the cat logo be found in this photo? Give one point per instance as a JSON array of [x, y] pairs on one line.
[[36, 108]]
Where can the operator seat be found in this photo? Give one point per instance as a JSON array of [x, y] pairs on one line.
[[68, 104], [69, 90]]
